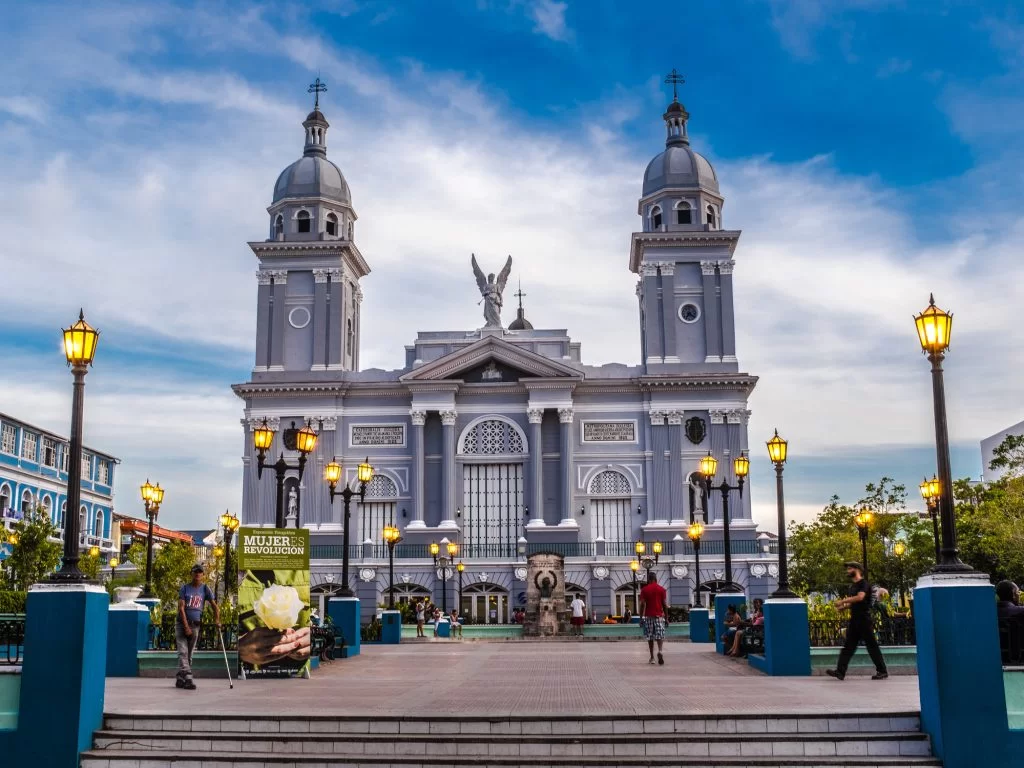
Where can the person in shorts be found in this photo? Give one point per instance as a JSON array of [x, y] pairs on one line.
[[579, 615], [653, 610], [192, 598], [421, 616]]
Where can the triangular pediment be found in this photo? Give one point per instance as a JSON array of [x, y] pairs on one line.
[[492, 361]]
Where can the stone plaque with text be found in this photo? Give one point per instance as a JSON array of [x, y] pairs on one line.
[[609, 431], [377, 435]]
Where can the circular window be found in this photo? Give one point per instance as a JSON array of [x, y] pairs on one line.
[[689, 313], [299, 317]]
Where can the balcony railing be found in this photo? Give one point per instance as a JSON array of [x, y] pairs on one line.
[[890, 630]]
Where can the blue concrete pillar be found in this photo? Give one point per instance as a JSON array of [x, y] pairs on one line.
[[391, 627], [63, 674], [722, 603], [127, 634], [699, 618], [344, 612], [787, 642], [444, 629], [960, 674]]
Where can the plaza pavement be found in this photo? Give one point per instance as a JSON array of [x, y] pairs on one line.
[[521, 678]]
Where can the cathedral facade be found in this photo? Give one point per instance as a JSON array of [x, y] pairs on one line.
[[503, 440]]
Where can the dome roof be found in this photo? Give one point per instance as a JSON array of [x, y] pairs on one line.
[[679, 166], [312, 176], [520, 323]]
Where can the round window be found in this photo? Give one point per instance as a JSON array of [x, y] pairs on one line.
[[299, 317], [689, 313]]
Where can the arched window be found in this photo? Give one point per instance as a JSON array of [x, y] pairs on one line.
[[609, 514], [82, 512], [493, 437], [63, 511], [349, 337], [26, 501], [279, 226], [656, 217], [712, 218], [98, 530], [47, 503], [610, 482], [304, 220], [379, 508], [350, 230], [381, 487], [332, 224], [684, 214], [5, 498]]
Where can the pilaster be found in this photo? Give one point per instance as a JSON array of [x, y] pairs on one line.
[[565, 418], [712, 313], [536, 417], [320, 287], [264, 311], [418, 419], [652, 317], [728, 312], [668, 312], [677, 498], [280, 290], [448, 473], [335, 318]]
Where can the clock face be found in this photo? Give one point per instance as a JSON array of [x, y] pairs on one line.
[[689, 313]]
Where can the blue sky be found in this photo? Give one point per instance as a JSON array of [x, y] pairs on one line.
[[869, 150]]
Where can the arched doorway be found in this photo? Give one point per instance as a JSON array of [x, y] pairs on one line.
[[492, 450], [408, 593], [484, 603], [624, 598], [610, 493]]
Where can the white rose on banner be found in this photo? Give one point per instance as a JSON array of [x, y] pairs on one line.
[[279, 606]]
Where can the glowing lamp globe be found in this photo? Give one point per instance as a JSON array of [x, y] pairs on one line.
[[656, 547], [934, 327], [634, 565], [157, 496], [640, 547], [94, 551], [305, 439], [741, 465], [863, 518], [708, 465], [899, 549], [146, 490], [80, 342], [263, 436], [364, 472], [332, 472], [218, 551], [434, 549], [114, 562], [777, 449], [453, 549], [460, 567], [695, 531]]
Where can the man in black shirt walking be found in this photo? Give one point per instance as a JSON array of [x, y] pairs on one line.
[[860, 627]]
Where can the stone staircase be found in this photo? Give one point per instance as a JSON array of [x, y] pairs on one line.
[[237, 741]]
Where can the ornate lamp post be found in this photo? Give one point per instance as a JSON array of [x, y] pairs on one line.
[[707, 467], [152, 498], [648, 560], [302, 440], [863, 521], [934, 327], [80, 342], [442, 562], [332, 474], [634, 566], [230, 524], [391, 536], [931, 490], [900, 549], [460, 568], [114, 562], [778, 449], [218, 552], [695, 531]]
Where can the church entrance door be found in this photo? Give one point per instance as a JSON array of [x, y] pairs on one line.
[[492, 500], [484, 604]]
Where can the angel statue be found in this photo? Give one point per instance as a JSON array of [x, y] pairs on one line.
[[491, 290]]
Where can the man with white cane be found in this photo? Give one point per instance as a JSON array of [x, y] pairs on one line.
[[192, 598]]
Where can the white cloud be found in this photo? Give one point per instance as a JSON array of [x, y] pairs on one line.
[[20, 106], [549, 19]]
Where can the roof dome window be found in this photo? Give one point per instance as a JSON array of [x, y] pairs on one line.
[[331, 225], [303, 221]]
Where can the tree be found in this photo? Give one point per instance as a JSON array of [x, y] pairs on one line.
[[1009, 456], [35, 555], [172, 565], [990, 529]]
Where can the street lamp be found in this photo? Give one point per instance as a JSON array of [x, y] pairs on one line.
[[391, 536], [934, 327], [442, 562], [80, 342], [707, 467], [778, 450], [695, 531], [332, 474], [460, 568], [230, 524], [648, 561], [863, 521], [931, 490], [302, 440], [900, 549], [634, 566], [114, 562], [152, 498]]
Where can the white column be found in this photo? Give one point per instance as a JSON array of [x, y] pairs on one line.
[[536, 417], [419, 485], [448, 471], [565, 417]]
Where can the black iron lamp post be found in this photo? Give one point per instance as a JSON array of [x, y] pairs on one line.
[[230, 524], [778, 450], [152, 498], [900, 550], [218, 552], [695, 531], [634, 566], [460, 568], [934, 327], [863, 520], [707, 467], [332, 474], [114, 562], [79, 348], [302, 440], [930, 492], [443, 562], [391, 536], [648, 559]]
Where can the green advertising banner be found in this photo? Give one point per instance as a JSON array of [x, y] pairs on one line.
[[274, 637]]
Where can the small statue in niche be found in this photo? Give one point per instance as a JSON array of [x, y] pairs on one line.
[[293, 503], [546, 585]]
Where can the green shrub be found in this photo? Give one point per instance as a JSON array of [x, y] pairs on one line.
[[13, 602]]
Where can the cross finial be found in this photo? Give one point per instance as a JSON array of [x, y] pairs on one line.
[[318, 88], [676, 79], [519, 294]]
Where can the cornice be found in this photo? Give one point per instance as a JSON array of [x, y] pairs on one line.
[[312, 247], [687, 239]]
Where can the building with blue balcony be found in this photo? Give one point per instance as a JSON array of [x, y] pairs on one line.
[[501, 438], [34, 473]]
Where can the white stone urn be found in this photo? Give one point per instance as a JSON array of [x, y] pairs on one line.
[[127, 594]]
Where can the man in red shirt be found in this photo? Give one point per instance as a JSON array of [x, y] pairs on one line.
[[653, 608]]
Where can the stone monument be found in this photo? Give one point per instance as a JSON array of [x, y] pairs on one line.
[[546, 613], [490, 291]]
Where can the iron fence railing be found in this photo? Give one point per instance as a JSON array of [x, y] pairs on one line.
[[890, 630], [1011, 642], [161, 636], [12, 639]]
